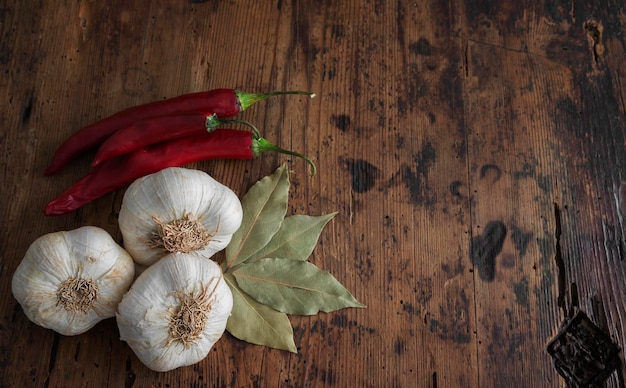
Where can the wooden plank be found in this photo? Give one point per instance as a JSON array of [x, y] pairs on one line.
[[541, 153], [513, 183]]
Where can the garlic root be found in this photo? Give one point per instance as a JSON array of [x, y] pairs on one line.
[[69, 281], [178, 210], [175, 311]]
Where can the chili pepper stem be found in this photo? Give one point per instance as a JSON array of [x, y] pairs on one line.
[[260, 144], [247, 99], [255, 131], [212, 122]]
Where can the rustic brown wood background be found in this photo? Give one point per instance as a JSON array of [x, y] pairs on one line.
[[436, 124]]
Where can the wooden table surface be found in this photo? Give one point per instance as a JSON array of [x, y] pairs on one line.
[[475, 153]]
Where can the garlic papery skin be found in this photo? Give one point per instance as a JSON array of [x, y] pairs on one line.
[[69, 281], [175, 311], [177, 210]]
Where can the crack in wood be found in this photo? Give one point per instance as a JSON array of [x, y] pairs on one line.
[[575, 303], [619, 196], [569, 306], [466, 60], [558, 259], [131, 376], [54, 350], [28, 109]]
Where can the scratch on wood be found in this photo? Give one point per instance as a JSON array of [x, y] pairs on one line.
[[351, 208], [400, 17], [523, 50], [466, 60]]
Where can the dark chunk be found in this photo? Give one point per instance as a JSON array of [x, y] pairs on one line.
[[582, 353]]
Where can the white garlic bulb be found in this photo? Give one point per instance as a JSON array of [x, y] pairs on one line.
[[175, 311], [69, 281], [177, 210]]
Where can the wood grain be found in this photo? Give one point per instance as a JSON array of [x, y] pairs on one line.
[[475, 152]]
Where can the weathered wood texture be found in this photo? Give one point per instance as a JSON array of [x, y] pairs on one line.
[[475, 152]]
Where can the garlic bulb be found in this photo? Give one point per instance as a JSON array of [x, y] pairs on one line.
[[177, 210], [175, 311], [69, 281]]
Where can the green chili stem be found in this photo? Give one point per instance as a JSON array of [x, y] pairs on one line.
[[260, 145], [247, 99], [213, 122]]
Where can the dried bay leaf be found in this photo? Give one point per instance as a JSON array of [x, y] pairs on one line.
[[296, 238], [256, 323], [266, 288], [293, 286], [264, 208]]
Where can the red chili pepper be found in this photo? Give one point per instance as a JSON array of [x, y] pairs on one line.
[[118, 172], [222, 102], [151, 131], [157, 130]]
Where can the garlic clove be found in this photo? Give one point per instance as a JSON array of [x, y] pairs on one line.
[[178, 210], [175, 311], [69, 281]]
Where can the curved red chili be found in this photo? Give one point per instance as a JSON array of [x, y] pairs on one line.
[[151, 131], [118, 172], [222, 102]]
